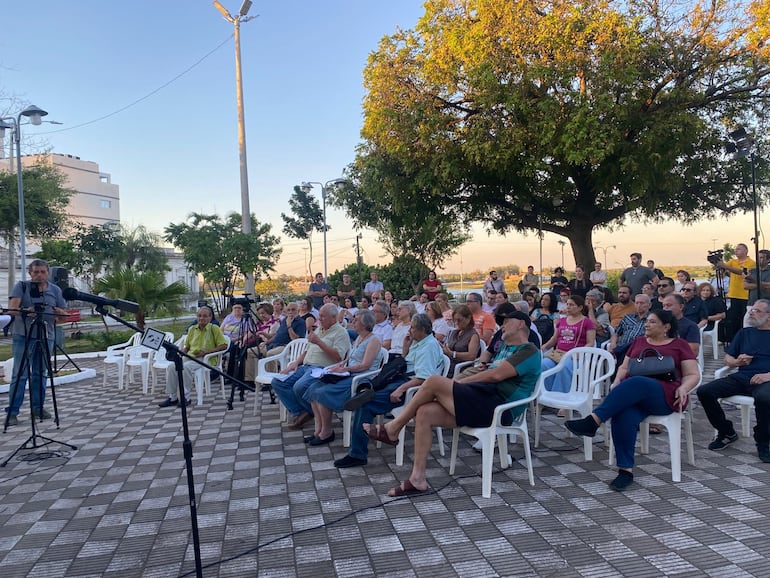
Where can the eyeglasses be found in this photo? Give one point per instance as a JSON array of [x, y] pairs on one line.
[[688, 289], [663, 285]]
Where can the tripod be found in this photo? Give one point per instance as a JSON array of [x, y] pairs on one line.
[[36, 340]]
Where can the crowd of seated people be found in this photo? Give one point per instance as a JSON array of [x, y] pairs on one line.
[[578, 312]]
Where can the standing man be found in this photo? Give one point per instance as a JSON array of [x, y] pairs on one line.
[[749, 353], [493, 282], [346, 288], [738, 295], [318, 290], [373, 286], [528, 280], [764, 278], [651, 266], [36, 296], [598, 276], [202, 338], [483, 322], [637, 275]]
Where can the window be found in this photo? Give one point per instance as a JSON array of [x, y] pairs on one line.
[[104, 204]]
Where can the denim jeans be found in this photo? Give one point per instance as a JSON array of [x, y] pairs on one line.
[[34, 366], [291, 392]]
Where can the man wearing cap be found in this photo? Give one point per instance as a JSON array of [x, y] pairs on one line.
[[469, 401]]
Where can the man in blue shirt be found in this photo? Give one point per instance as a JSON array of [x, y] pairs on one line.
[[749, 353], [424, 358], [292, 327], [318, 290]]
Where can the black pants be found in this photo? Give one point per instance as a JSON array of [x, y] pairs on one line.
[[709, 395]]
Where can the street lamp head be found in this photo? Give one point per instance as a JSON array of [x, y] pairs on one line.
[[4, 125], [306, 187], [34, 114], [245, 7], [222, 10]]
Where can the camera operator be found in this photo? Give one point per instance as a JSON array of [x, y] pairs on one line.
[[738, 295], [35, 297]]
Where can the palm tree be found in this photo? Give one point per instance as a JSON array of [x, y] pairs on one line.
[[148, 289]]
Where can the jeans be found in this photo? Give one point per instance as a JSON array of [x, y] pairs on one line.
[[291, 392], [562, 381], [631, 401], [709, 395], [35, 363], [380, 404]]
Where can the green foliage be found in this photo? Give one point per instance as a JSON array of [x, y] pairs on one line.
[[335, 279], [218, 249], [148, 289], [307, 217], [566, 117], [401, 277], [45, 202]]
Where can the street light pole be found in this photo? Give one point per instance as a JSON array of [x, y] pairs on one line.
[[306, 187], [604, 250], [35, 116], [244, 171], [562, 243]]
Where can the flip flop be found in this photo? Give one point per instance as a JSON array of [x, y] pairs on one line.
[[380, 434], [405, 489], [655, 430]]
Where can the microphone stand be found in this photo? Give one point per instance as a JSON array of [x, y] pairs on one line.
[[174, 354]]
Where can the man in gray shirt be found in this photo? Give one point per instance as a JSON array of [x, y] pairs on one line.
[[36, 297], [636, 275]]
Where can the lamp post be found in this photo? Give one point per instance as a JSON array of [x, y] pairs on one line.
[[741, 145], [562, 243], [35, 116], [245, 209], [604, 250], [306, 187]]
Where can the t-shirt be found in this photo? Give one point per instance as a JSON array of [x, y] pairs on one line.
[[526, 359], [51, 297], [282, 336], [695, 310], [636, 278], [432, 288], [574, 335], [679, 349], [754, 342], [764, 276], [483, 321], [318, 301], [397, 338], [598, 277], [335, 337], [736, 290], [373, 286], [346, 290], [618, 311], [580, 287], [688, 330]]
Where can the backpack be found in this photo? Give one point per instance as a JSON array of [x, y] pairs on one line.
[[393, 369], [544, 326]]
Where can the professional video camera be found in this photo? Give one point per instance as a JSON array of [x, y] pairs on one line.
[[246, 301], [715, 257]]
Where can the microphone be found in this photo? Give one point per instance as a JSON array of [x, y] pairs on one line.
[[72, 294]]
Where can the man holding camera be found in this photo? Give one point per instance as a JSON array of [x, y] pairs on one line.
[[34, 297], [738, 295]]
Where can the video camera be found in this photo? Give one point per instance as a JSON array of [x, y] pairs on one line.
[[715, 257], [246, 301], [37, 297]]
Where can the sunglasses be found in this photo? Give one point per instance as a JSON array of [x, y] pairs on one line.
[[688, 289]]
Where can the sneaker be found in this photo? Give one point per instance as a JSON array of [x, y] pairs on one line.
[[623, 480], [349, 462], [764, 453], [586, 426], [12, 420], [722, 441], [41, 414], [168, 402]]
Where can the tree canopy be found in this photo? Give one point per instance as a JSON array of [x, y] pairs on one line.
[[566, 116], [306, 216], [221, 252]]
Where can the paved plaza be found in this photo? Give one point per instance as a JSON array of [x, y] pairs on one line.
[[268, 505]]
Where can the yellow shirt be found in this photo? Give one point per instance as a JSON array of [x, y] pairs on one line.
[[736, 290], [207, 339]]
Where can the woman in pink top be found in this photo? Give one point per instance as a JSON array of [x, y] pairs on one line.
[[575, 329]]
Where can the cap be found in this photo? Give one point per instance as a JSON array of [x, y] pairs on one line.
[[501, 316]]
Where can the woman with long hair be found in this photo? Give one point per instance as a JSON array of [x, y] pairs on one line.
[[715, 306], [440, 326], [463, 342]]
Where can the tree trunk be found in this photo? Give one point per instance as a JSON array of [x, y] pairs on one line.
[[580, 238], [140, 319]]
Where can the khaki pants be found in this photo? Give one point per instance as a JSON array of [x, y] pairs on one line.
[[252, 357]]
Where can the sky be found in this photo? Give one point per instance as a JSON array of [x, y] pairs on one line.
[[176, 151]]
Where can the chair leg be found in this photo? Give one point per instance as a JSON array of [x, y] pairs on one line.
[[502, 447], [453, 452], [538, 412], [746, 420], [347, 418], [440, 441], [487, 455], [675, 442], [400, 447], [688, 438]]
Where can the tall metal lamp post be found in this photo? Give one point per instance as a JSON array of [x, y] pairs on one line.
[[604, 250], [562, 243], [306, 187], [35, 116], [245, 209], [741, 145]]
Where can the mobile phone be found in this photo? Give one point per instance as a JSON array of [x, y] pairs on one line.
[[745, 271]]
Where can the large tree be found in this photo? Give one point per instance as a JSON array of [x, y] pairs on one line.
[[566, 115], [221, 252]]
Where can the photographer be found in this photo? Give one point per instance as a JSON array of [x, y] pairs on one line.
[[737, 294], [34, 297]]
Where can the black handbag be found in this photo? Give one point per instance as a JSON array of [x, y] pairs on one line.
[[661, 367]]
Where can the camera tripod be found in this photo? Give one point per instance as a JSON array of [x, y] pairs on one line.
[[36, 356]]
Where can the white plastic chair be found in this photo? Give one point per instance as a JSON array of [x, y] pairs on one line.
[[203, 374], [397, 410], [116, 356], [591, 367], [744, 402], [673, 424], [714, 336], [160, 363], [347, 416], [501, 433], [290, 353]]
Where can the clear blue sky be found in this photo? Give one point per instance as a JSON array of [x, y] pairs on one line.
[[176, 151]]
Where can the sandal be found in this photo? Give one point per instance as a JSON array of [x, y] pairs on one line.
[[380, 434], [405, 489], [655, 430]]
